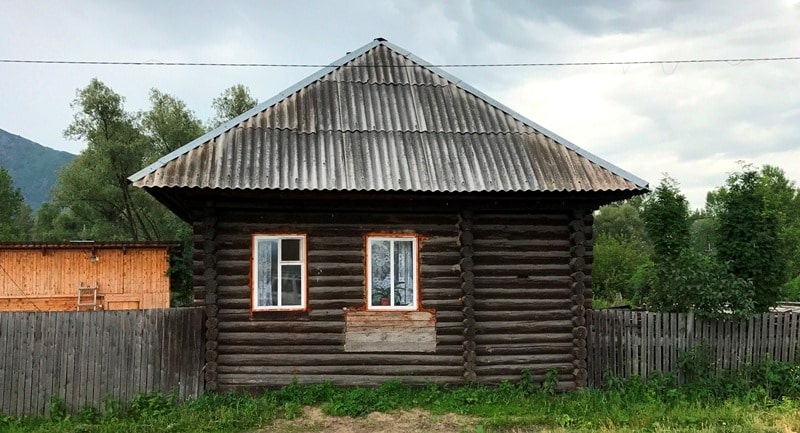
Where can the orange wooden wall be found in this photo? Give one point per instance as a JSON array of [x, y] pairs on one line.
[[47, 278]]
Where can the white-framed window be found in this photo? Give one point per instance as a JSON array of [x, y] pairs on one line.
[[279, 272], [392, 273]]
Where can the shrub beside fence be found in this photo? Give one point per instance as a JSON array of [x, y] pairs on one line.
[[637, 343], [85, 358]]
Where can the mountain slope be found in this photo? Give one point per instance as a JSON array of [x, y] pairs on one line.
[[33, 167]]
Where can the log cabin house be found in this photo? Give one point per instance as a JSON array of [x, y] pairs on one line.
[[84, 275], [381, 220]]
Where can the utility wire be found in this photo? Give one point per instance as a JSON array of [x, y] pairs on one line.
[[443, 65]]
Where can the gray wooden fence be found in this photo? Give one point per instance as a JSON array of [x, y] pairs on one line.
[[636, 343], [86, 357]]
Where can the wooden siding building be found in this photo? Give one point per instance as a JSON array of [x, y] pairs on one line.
[[383, 220], [47, 276]]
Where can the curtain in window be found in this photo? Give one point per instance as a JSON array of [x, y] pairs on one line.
[[267, 272], [381, 275], [404, 272]]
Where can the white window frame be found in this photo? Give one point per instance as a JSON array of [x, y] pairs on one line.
[[414, 305], [303, 256]]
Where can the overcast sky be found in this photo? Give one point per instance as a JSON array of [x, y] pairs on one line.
[[693, 121]]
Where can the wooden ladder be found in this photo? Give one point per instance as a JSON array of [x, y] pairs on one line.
[[87, 298]]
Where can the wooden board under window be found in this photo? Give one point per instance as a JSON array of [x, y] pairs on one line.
[[390, 331]]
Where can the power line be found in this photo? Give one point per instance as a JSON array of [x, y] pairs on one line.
[[443, 65]]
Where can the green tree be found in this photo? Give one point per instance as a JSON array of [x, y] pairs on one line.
[[749, 237], [169, 124], [621, 219], [16, 219], [233, 101], [621, 251], [95, 185], [683, 279]]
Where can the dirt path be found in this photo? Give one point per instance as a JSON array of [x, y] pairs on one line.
[[412, 421]]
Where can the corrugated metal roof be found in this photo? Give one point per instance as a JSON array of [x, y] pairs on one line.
[[384, 121]]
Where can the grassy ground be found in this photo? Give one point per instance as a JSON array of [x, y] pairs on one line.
[[766, 399]]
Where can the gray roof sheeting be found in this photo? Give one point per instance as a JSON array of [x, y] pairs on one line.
[[384, 121]]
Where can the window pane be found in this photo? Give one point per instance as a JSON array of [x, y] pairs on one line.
[[403, 272], [267, 267], [290, 250], [291, 285], [380, 262]]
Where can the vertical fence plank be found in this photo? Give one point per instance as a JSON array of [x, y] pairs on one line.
[[82, 357], [793, 349], [4, 380], [645, 346], [631, 343]]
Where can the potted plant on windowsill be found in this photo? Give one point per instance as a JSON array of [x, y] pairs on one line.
[[380, 296]]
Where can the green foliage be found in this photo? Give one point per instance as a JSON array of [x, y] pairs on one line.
[[622, 252], [233, 101], [16, 220], [757, 398], [748, 237], [169, 124], [617, 267], [792, 289], [95, 185], [666, 221], [696, 362], [684, 279], [58, 409], [621, 220]]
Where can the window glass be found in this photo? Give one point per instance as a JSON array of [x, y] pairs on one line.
[[291, 285], [403, 272], [267, 272], [290, 250], [392, 272], [381, 272], [279, 272]]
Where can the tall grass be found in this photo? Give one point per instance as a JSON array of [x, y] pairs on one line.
[[760, 398]]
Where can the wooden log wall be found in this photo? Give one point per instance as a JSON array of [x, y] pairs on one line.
[[579, 237], [523, 298], [268, 349]]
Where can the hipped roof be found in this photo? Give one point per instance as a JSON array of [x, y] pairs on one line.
[[381, 119]]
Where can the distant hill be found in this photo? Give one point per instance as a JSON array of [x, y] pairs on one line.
[[33, 167]]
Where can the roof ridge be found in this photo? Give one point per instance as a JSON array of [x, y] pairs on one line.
[[468, 111]]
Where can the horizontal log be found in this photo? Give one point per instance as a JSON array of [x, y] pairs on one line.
[[312, 338], [372, 370], [441, 350], [231, 381], [516, 304], [563, 368], [338, 359], [544, 359], [523, 349], [485, 316], [527, 326], [500, 268], [523, 293], [522, 339], [282, 326]]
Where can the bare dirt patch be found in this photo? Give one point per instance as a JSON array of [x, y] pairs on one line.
[[411, 421]]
